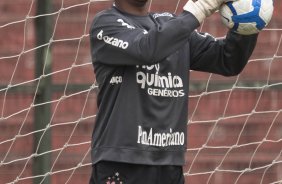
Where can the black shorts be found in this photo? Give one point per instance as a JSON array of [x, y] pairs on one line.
[[105, 172]]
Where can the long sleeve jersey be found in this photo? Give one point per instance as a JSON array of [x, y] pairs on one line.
[[142, 66]]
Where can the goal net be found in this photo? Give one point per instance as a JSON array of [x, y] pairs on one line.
[[48, 100]]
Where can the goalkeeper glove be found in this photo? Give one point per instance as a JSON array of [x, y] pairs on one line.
[[203, 8]]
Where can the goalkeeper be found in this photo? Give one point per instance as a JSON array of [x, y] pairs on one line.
[[142, 62]]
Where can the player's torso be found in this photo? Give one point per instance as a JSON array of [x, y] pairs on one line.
[[144, 106]]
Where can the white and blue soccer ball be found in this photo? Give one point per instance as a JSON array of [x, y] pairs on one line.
[[247, 16]]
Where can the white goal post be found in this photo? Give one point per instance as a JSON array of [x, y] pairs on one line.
[[48, 100]]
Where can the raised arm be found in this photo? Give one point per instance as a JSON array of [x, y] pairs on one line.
[[227, 56], [114, 40]]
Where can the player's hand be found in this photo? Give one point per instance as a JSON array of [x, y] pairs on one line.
[[203, 8]]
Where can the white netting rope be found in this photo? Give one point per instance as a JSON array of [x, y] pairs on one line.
[[214, 123]]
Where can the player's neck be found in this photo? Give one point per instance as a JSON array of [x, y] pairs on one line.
[[133, 9]]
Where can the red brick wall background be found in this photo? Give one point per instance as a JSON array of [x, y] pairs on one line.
[[235, 134]]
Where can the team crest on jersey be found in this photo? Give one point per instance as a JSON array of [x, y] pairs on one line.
[[114, 179]]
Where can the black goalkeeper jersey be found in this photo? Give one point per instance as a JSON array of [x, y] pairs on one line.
[[142, 66]]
